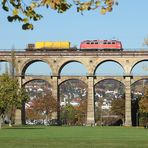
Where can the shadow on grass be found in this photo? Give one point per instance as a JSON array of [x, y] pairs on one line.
[[23, 127]]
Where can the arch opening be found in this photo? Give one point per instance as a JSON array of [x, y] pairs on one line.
[[140, 68], [109, 68], [137, 92], [41, 106], [73, 68], [73, 102], [37, 67], [6, 67], [109, 102]]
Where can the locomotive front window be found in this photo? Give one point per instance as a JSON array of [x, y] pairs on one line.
[[92, 42], [96, 42]]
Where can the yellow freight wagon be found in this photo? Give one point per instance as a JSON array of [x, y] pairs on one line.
[[52, 45]]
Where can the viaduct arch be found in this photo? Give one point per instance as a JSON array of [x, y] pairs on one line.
[[91, 60]]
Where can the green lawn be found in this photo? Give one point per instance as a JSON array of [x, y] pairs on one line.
[[73, 137]]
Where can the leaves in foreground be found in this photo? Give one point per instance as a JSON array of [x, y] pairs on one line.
[[26, 13]]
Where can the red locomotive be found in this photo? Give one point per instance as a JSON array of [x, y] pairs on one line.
[[110, 45]]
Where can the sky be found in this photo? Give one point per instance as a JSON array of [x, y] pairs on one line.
[[127, 22]]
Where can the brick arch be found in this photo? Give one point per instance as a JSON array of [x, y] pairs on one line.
[[8, 61], [72, 79], [64, 79], [137, 62], [29, 79], [97, 64], [4, 60], [64, 63], [75, 99], [27, 63], [103, 100], [10, 64], [109, 79], [139, 79]]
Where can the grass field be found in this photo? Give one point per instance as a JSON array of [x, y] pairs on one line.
[[73, 137]]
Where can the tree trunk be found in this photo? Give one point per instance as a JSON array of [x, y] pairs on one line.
[[1, 119], [46, 120], [123, 120]]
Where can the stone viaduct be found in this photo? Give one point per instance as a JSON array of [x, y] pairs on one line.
[[91, 60]]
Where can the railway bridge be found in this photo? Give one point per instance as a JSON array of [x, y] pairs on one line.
[[91, 60]]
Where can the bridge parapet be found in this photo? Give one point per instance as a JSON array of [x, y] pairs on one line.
[[76, 53]]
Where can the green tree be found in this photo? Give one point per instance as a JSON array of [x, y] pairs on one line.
[[11, 96], [118, 108], [25, 12], [143, 108], [68, 114]]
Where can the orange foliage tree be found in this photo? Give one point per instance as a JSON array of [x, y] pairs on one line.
[[42, 108], [81, 112], [143, 108], [143, 103]]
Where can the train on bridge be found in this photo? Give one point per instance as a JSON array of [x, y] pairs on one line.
[[100, 45]]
